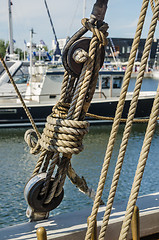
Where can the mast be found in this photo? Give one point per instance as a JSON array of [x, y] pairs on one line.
[[84, 8], [31, 60], [10, 27], [57, 51]]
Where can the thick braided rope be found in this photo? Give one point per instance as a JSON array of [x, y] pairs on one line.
[[99, 35], [49, 173], [87, 78], [46, 162], [39, 163], [77, 104], [64, 136], [64, 86], [141, 166], [74, 100], [52, 143], [152, 2], [128, 125], [76, 93], [136, 120], [36, 149], [92, 85], [117, 118], [59, 179]]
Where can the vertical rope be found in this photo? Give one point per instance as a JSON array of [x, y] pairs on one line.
[[128, 125], [117, 118], [87, 78], [140, 168]]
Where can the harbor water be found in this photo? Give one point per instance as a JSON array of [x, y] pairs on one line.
[[17, 165]]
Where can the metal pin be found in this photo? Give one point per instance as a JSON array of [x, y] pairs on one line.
[[94, 232], [135, 224], [41, 233]]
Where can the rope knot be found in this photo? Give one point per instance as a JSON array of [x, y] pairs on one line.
[[80, 55], [100, 32], [64, 136]]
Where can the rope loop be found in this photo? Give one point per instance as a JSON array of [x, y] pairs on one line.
[[64, 136], [32, 140], [101, 32]]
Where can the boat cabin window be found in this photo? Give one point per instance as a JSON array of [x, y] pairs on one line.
[[105, 82], [117, 81]]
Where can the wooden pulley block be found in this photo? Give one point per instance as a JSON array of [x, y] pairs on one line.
[[82, 43], [32, 194]]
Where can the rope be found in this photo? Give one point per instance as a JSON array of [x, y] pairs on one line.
[[128, 125], [152, 5], [146, 144], [136, 120], [80, 55], [117, 118], [21, 99], [141, 166], [75, 110], [63, 132]]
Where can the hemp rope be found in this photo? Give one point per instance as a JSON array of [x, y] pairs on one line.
[[34, 143], [136, 120], [117, 118], [78, 99], [129, 122], [152, 5], [21, 99], [141, 166], [80, 90], [144, 152]]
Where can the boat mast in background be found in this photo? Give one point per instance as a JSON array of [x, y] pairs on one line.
[[57, 51], [84, 8], [10, 27], [31, 61]]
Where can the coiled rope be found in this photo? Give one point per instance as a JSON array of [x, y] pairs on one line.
[[128, 123]]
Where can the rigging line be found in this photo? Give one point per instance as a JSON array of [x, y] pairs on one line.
[[117, 118], [48, 12], [21, 99], [73, 18], [149, 131]]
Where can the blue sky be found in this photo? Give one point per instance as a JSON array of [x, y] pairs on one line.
[[122, 17]]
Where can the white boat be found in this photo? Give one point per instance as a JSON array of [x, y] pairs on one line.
[[43, 91], [156, 74]]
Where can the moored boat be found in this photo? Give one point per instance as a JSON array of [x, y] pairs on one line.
[[43, 91]]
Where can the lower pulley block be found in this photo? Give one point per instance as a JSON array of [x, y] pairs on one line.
[[32, 194]]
